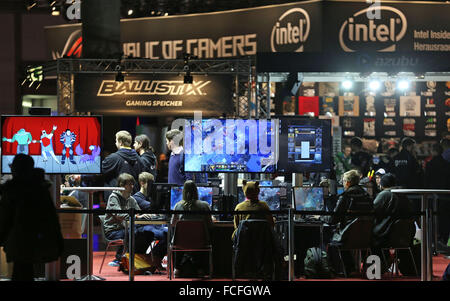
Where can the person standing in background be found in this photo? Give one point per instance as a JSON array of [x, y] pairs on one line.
[[361, 160], [176, 173], [405, 167], [146, 152], [343, 163], [124, 160]]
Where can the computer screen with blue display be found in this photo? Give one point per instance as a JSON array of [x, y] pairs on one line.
[[305, 145], [308, 198], [204, 194], [230, 145], [270, 195]]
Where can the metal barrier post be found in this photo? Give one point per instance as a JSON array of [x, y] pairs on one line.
[[90, 242], [131, 246], [291, 245]]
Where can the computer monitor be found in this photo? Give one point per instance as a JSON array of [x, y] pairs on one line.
[[204, 194], [305, 145], [231, 145], [57, 144], [308, 198], [269, 194]]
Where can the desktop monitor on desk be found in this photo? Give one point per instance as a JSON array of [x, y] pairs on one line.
[[269, 194], [204, 194], [308, 198]]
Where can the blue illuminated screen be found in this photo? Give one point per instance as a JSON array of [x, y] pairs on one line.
[[309, 198]]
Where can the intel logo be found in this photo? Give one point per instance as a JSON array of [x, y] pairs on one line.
[[381, 34], [290, 31]]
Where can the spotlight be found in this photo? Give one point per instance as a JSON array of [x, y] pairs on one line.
[[30, 4], [374, 85], [55, 11], [403, 85], [130, 12], [120, 77], [347, 84]]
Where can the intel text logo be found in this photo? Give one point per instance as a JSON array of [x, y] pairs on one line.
[[359, 32], [290, 31]]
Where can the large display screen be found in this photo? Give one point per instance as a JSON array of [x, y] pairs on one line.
[[204, 194], [58, 144], [305, 145], [231, 145], [308, 198]]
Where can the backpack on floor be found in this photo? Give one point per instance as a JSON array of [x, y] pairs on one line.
[[140, 264], [317, 265]]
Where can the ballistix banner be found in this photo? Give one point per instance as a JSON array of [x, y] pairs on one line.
[[154, 95]]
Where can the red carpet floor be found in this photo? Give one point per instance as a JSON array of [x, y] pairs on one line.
[[112, 274]]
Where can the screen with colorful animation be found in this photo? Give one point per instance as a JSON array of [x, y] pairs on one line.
[[58, 144]]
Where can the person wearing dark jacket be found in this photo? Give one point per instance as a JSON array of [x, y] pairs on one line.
[[176, 173], [405, 166], [29, 227], [142, 196], [389, 207], [360, 159], [145, 151], [354, 199], [437, 176], [124, 160]]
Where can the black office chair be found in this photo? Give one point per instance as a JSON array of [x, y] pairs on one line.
[[189, 236], [256, 251], [109, 243], [358, 237], [401, 235]]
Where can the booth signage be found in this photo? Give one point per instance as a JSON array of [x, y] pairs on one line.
[[154, 95], [331, 27]]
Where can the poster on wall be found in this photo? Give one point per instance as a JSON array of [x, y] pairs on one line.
[[369, 127], [410, 106], [370, 106], [349, 105], [409, 127], [389, 107], [308, 105], [329, 89], [289, 106], [389, 89], [328, 106], [308, 89]]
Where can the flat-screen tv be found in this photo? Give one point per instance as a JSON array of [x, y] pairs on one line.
[[269, 194], [204, 194], [305, 145], [309, 198], [231, 145], [58, 144]]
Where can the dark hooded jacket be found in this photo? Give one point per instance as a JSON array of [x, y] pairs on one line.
[[389, 207], [29, 227], [149, 162], [125, 160]]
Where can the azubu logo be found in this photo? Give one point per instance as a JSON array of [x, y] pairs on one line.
[[359, 32], [290, 31]]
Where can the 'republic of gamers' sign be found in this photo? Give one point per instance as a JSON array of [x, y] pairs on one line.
[[332, 27], [152, 95]]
